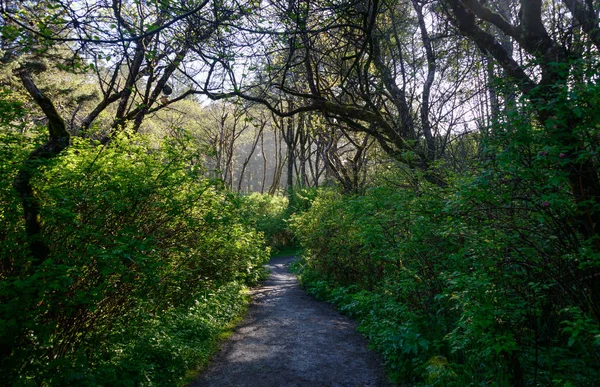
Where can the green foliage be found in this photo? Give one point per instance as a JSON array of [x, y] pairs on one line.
[[478, 283], [301, 199], [10, 109], [270, 215], [148, 262]]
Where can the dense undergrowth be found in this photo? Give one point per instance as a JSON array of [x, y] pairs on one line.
[[270, 215], [148, 266], [478, 283]]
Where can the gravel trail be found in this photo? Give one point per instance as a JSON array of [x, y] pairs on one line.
[[290, 339]]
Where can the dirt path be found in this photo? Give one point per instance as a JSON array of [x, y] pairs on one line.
[[290, 339]]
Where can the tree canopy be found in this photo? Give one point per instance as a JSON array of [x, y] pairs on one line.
[[439, 160]]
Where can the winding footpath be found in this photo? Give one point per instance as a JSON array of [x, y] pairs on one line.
[[290, 339]]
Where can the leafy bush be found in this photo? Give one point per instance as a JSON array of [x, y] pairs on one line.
[[270, 215], [473, 284], [142, 248]]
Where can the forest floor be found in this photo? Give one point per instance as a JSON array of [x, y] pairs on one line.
[[290, 339]]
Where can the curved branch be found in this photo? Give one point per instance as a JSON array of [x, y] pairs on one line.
[[465, 21], [589, 21], [495, 18], [146, 34], [57, 141]]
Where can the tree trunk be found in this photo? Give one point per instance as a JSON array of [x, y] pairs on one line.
[[303, 141], [58, 140], [252, 150], [264, 157]]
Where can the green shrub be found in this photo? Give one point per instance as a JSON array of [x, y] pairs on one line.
[[141, 246], [475, 284], [270, 215]]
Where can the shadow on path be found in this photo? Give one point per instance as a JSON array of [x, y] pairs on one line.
[[290, 339]]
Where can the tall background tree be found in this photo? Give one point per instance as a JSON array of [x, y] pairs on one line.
[[454, 144]]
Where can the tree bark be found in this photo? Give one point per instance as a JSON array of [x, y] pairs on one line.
[[58, 140], [249, 157]]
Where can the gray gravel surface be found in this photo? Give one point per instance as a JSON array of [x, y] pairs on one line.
[[290, 339]]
